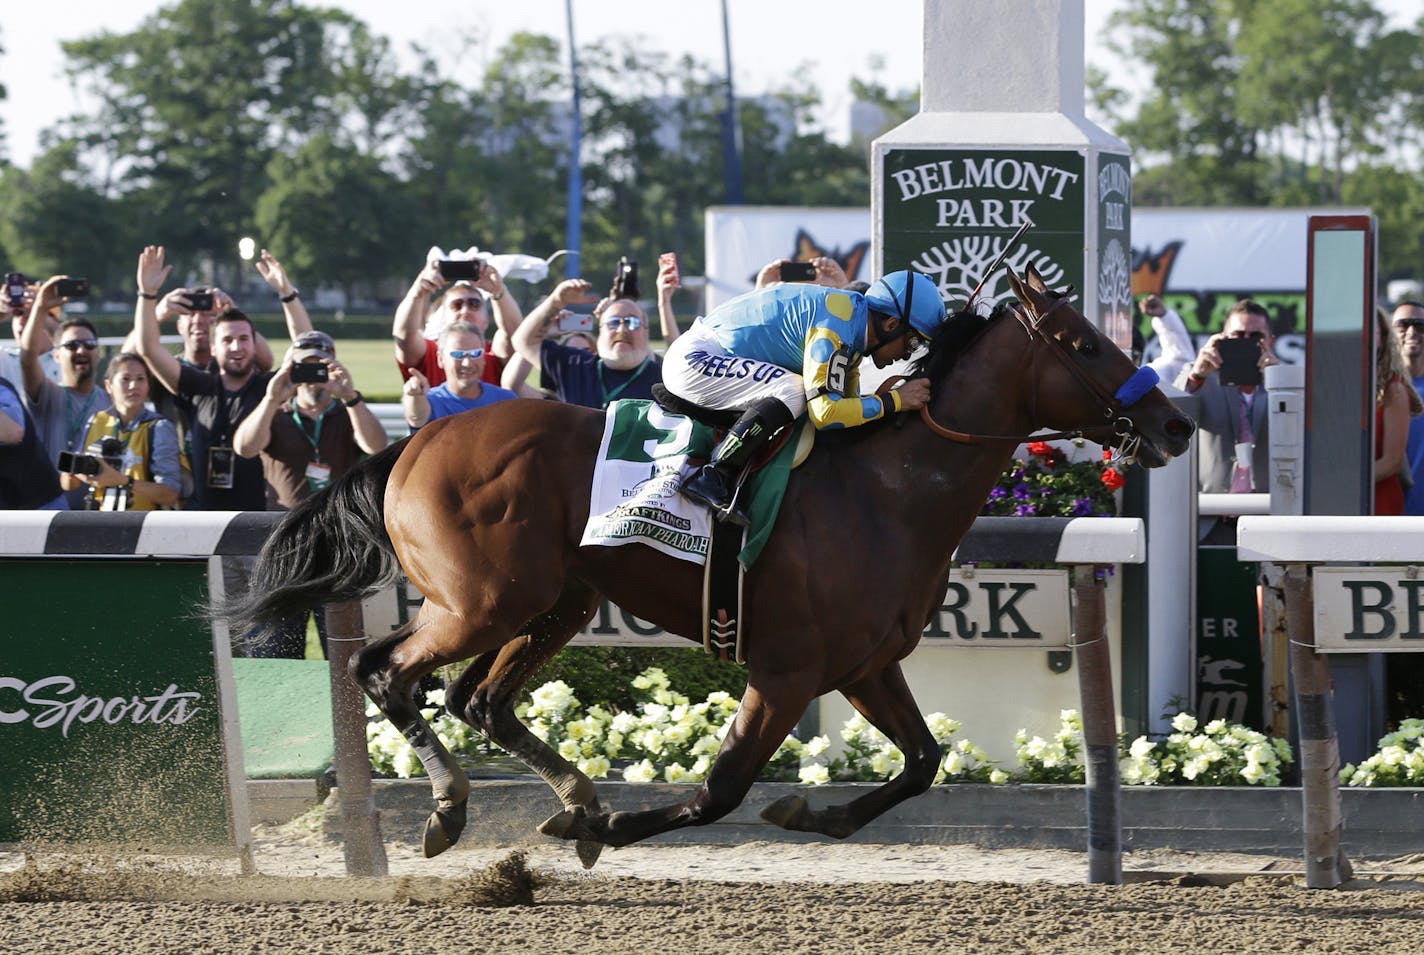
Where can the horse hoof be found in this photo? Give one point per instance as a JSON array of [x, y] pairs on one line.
[[561, 825], [786, 812], [588, 851], [443, 828]]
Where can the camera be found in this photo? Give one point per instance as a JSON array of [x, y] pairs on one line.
[[310, 373], [200, 300], [1240, 361], [15, 289], [72, 288], [798, 271], [457, 269], [625, 280], [106, 450]]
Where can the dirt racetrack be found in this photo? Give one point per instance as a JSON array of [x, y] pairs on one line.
[[726, 899]]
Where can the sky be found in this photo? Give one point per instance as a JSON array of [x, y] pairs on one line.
[[770, 40]]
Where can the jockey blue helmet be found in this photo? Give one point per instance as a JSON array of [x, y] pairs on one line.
[[911, 297]]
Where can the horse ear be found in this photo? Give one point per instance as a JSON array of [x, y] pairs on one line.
[[1016, 283], [1035, 280]]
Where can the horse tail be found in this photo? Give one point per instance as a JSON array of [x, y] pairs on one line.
[[331, 547]]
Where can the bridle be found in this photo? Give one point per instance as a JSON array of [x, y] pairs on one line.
[[1127, 438]]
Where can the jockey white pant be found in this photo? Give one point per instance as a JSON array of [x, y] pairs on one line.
[[697, 368]]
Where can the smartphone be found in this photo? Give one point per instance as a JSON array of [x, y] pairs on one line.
[[798, 271], [575, 322], [1240, 361], [15, 289], [457, 269], [625, 279], [201, 300], [670, 259], [72, 288], [310, 373]]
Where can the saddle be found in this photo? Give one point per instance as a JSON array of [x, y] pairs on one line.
[[723, 575]]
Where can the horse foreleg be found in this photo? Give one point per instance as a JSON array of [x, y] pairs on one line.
[[885, 700], [762, 723], [389, 679], [485, 693]]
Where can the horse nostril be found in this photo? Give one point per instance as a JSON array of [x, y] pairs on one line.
[[1180, 427]]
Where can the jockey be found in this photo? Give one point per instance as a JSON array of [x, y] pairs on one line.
[[792, 347]]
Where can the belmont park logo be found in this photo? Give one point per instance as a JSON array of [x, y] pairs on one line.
[[1001, 174], [51, 703]]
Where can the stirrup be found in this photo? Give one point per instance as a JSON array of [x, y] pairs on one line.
[[729, 511]]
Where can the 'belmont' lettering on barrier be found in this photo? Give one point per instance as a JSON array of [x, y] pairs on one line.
[[53, 706], [1377, 608]]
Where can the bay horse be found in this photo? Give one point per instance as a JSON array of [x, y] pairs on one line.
[[484, 511]]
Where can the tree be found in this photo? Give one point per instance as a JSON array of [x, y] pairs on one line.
[[333, 214], [53, 221], [198, 99]]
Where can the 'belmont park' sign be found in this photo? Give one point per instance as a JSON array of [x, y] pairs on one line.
[[949, 212], [982, 608], [1363, 609]]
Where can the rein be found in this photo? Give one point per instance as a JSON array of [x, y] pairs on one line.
[[1127, 395]]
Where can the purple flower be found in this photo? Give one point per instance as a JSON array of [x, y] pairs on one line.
[[998, 494], [1025, 510], [1021, 492], [1082, 507]]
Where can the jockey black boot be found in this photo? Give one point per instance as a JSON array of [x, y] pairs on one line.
[[716, 483]]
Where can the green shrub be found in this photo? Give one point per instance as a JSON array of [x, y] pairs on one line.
[[604, 675]]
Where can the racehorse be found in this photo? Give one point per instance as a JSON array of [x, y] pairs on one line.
[[484, 512]]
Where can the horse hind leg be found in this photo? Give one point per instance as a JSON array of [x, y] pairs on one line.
[[484, 697], [388, 670], [885, 700]]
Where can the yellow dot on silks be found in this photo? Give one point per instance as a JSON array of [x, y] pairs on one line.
[[839, 305]]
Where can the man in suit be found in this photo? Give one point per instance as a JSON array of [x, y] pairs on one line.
[[1233, 445]]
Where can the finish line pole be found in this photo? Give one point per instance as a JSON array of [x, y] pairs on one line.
[[1095, 687]]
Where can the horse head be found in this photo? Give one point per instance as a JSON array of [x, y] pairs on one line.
[[1088, 383]]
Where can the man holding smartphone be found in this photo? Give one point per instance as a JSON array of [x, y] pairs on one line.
[[1233, 444], [478, 297]]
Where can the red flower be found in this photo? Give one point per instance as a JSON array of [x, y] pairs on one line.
[[1041, 448], [1113, 479], [1107, 454]]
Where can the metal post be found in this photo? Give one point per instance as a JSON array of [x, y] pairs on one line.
[[1325, 863], [1285, 386], [364, 851], [1095, 687]]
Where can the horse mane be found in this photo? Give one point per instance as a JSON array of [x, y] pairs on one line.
[[951, 341]]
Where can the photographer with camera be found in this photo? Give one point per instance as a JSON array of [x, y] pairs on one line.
[[624, 365], [62, 408], [28, 480], [311, 426], [477, 291], [1232, 440], [131, 459]]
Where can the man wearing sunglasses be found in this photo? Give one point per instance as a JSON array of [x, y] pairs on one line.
[[462, 358], [1408, 323], [417, 328], [624, 365], [792, 347], [1232, 438], [62, 409]]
